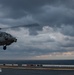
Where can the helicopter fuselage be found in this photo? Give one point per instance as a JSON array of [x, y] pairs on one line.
[[6, 39]]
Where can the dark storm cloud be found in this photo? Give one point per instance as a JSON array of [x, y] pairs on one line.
[[21, 8], [46, 12], [67, 30], [53, 12], [69, 43]]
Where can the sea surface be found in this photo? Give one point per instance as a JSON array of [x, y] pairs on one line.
[[37, 72], [52, 62]]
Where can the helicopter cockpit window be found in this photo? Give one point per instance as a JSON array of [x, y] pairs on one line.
[[8, 35]]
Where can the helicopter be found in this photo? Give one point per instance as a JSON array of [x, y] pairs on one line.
[[7, 39]]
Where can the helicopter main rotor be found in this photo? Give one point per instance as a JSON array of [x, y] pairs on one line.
[[7, 39]]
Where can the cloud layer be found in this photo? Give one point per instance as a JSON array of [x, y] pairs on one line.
[[54, 39]]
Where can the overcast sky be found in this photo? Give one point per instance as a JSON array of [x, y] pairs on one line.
[[54, 39]]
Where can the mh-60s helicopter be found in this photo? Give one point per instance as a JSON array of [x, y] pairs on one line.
[[7, 39]]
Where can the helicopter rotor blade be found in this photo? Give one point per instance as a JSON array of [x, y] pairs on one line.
[[27, 26]]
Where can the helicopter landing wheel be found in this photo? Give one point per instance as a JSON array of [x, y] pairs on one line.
[[4, 47]]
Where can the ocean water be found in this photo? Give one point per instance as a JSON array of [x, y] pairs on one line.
[[52, 62], [35, 72]]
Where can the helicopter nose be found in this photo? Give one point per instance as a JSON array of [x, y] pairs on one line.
[[15, 40]]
